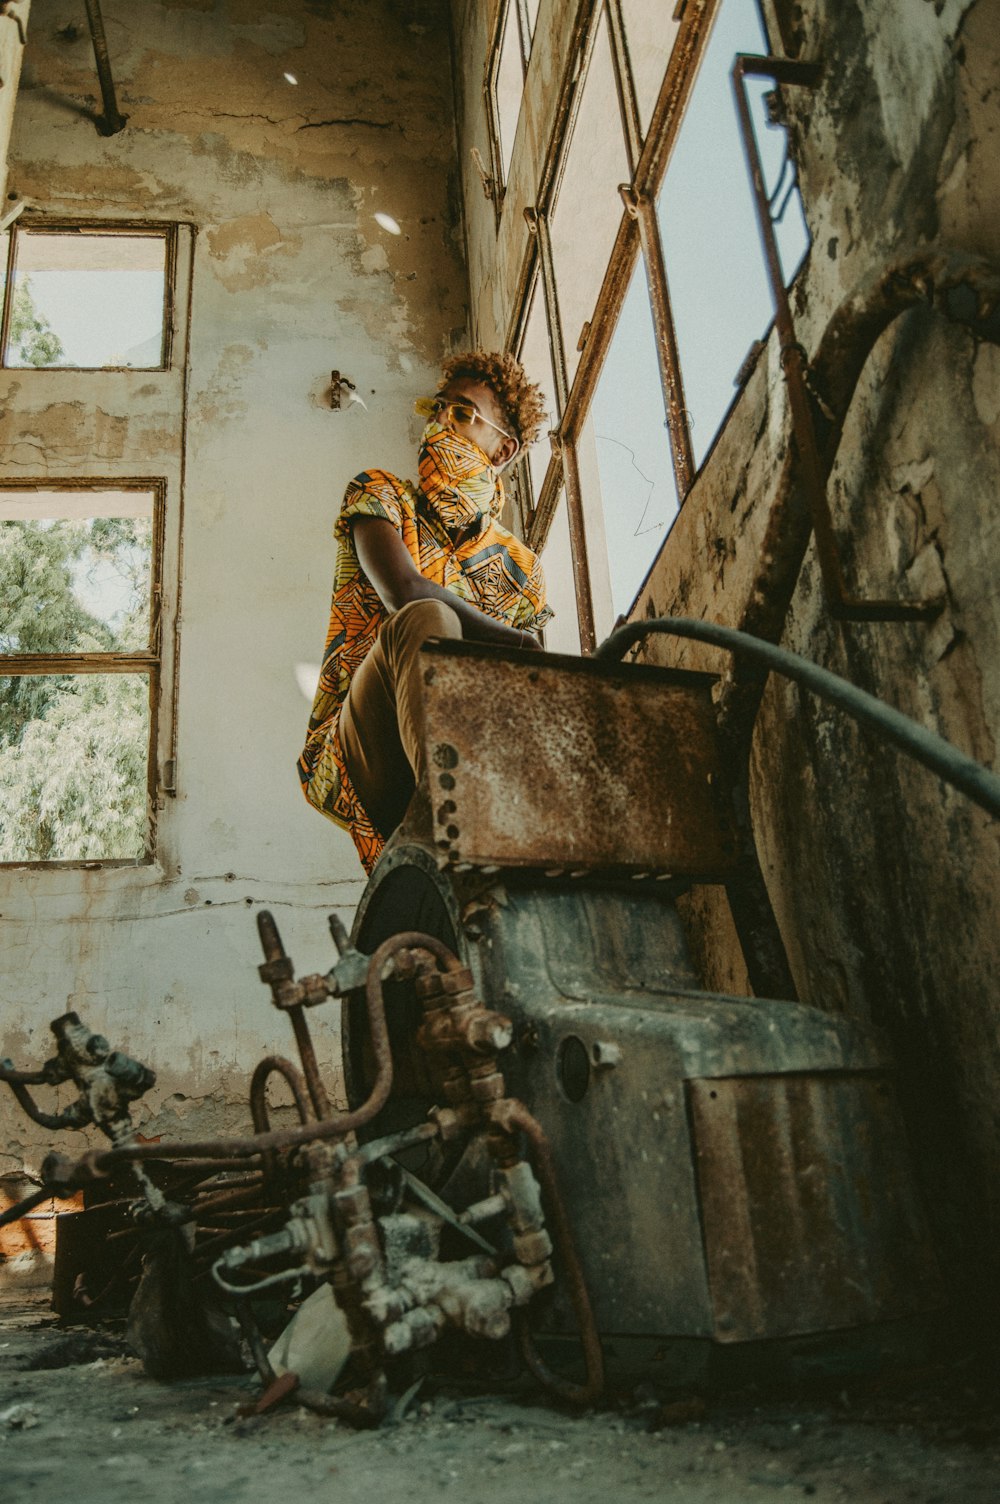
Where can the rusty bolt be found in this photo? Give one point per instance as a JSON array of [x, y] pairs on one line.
[[487, 1032]]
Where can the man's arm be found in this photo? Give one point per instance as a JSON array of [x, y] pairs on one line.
[[397, 581]]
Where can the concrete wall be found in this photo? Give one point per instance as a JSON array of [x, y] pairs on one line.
[[290, 277], [884, 881]]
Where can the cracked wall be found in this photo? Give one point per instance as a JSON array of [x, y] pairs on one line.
[[283, 275]]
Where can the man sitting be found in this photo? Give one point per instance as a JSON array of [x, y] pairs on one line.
[[414, 562]]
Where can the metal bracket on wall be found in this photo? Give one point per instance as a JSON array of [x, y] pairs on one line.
[[338, 385], [844, 606]]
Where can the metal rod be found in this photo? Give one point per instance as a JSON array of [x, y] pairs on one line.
[[926, 747], [642, 208], [112, 121], [510, 1115], [578, 550]]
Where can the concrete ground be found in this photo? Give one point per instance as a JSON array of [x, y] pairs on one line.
[[80, 1422]]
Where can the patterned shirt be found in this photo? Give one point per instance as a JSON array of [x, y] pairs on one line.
[[493, 570]]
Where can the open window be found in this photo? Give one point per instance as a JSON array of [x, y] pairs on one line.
[[86, 296], [80, 631]]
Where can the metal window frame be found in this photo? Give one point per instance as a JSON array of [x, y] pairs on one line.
[[148, 662], [638, 234], [494, 129], [94, 229]]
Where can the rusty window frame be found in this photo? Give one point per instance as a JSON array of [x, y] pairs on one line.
[[148, 662], [507, 11], [94, 229], [638, 235]]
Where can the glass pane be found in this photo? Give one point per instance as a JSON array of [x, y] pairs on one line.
[[636, 478], [87, 300], [536, 357], [562, 635], [74, 753], [589, 210], [532, 9], [650, 31], [509, 86], [75, 571], [715, 263]]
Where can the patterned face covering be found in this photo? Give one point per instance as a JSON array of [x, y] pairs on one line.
[[458, 478]]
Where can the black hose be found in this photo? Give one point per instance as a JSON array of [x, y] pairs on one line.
[[953, 766], [15, 1213]]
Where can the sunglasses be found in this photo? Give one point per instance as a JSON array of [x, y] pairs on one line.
[[456, 411]]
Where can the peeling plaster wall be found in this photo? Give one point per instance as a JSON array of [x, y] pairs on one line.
[[884, 881], [290, 277]]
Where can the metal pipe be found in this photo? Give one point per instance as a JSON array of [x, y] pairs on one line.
[[926, 747], [112, 121], [99, 1162], [508, 1115], [276, 1065]]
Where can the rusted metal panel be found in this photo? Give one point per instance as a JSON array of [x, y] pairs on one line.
[[560, 764], [810, 1218]]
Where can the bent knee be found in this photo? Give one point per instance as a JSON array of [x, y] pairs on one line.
[[418, 620]]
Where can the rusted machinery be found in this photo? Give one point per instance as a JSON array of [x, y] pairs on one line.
[[550, 1128]]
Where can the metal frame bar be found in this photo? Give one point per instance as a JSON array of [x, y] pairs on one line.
[[112, 121]]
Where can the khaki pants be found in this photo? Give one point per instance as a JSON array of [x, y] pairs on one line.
[[379, 727]]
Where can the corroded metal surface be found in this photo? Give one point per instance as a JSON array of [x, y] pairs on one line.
[[809, 1212], [542, 762]]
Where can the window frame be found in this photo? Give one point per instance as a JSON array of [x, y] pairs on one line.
[[638, 236], [94, 229], [148, 661]]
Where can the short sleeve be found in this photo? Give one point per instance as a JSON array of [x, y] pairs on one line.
[[373, 493]]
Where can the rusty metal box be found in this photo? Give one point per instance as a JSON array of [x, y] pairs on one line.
[[543, 762]]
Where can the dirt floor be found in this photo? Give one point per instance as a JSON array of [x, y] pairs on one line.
[[79, 1421]]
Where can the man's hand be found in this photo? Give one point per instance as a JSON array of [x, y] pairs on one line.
[[387, 562]]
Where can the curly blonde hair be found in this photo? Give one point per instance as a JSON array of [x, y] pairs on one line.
[[521, 401]]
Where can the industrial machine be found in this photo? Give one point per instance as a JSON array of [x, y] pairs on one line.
[[551, 1130]]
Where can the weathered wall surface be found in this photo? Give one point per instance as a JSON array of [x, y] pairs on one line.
[[884, 881], [290, 276]]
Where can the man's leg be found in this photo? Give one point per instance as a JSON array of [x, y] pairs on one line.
[[378, 720]]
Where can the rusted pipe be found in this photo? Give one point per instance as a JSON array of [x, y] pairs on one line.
[[278, 964], [112, 121], [276, 1065], [100, 1162], [508, 1115]]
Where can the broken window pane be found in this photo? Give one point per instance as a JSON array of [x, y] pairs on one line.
[[588, 209], [715, 264], [74, 754], [650, 31], [87, 299], [75, 571], [635, 474]]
